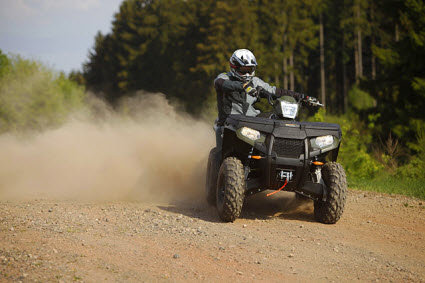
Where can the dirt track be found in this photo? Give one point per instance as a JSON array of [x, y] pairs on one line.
[[379, 238]]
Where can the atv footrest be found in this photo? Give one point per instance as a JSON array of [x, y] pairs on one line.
[[312, 190]]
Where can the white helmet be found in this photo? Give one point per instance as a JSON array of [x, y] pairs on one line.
[[242, 64]]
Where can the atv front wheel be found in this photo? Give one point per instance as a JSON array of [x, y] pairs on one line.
[[230, 189], [212, 174], [330, 210]]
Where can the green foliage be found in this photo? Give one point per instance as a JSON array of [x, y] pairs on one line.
[[369, 168], [33, 97], [400, 88], [77, 76], [390, 185], [355, 157], [359, 99], [319, 116], [355, 154], [416, 167], [179, 47], [413, 170], [371, 119], [4, 64], [286, 28]]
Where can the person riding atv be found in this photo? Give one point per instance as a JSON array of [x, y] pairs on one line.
[[271, 151], [237, 90]]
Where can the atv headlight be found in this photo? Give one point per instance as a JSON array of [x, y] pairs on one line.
[[289, 110], [325, 143], [250, 136], [250, 133]]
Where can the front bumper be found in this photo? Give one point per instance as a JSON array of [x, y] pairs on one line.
[[273, 169]]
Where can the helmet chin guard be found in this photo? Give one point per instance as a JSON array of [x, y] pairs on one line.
[[242, 64]]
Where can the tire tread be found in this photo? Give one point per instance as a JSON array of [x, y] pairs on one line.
[[211, 178], [232, 170], [330, 211]]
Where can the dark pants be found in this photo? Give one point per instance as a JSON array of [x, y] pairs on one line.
[[219, 137]]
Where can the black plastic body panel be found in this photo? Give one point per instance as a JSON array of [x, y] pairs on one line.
[[282, 127], [264, 173]]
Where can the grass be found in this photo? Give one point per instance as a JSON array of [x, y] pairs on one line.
[[391, 185]]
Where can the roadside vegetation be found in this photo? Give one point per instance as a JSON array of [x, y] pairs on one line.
[[385, 166], [34, 97]]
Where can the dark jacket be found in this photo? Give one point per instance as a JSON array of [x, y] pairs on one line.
[[232, 99]]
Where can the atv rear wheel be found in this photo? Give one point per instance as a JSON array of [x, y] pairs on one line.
[[230, 189], [212, 174], [330, 210]]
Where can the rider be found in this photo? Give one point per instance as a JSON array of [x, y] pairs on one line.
[[239, 89]]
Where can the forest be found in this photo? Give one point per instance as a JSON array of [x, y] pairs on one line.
[[354, 55], [364, 60]]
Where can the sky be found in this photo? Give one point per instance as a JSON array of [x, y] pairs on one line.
[[59, 33]]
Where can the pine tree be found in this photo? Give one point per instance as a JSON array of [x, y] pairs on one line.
[[400, 89]]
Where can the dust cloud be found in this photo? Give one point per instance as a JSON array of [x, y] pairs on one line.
[[151, 152]]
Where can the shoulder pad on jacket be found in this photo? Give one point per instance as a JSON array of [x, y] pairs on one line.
[[223, 76]]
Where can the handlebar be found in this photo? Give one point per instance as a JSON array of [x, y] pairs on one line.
[[271, 97], [316, 104]]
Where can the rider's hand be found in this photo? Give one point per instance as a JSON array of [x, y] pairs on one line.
[[249, 89], [259, 89], [310, 99]]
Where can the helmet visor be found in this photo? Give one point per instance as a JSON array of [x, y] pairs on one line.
[[245, 69]]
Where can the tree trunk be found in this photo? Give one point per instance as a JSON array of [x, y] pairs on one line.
[[356, 62], [344, 79], [373, 59], [285, 65], [359, 42], [322, 65], [291, 72], [373, 40], [276, 68], [397, 37], [285, 73], [276, 73], [356, 54]]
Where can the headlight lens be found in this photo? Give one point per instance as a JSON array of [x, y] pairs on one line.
[[324, 142], [289, 110], [250, 133]]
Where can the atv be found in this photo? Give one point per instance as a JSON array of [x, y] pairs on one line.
[[273, 151]]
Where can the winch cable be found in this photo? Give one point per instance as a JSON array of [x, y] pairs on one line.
[[286, 182]]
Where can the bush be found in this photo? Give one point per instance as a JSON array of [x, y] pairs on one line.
[[33, 96], [354, 152], [415, 169], [359, 99], [366, 172], [354, 155]]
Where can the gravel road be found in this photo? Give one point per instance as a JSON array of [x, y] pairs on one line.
[[379, 238]]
